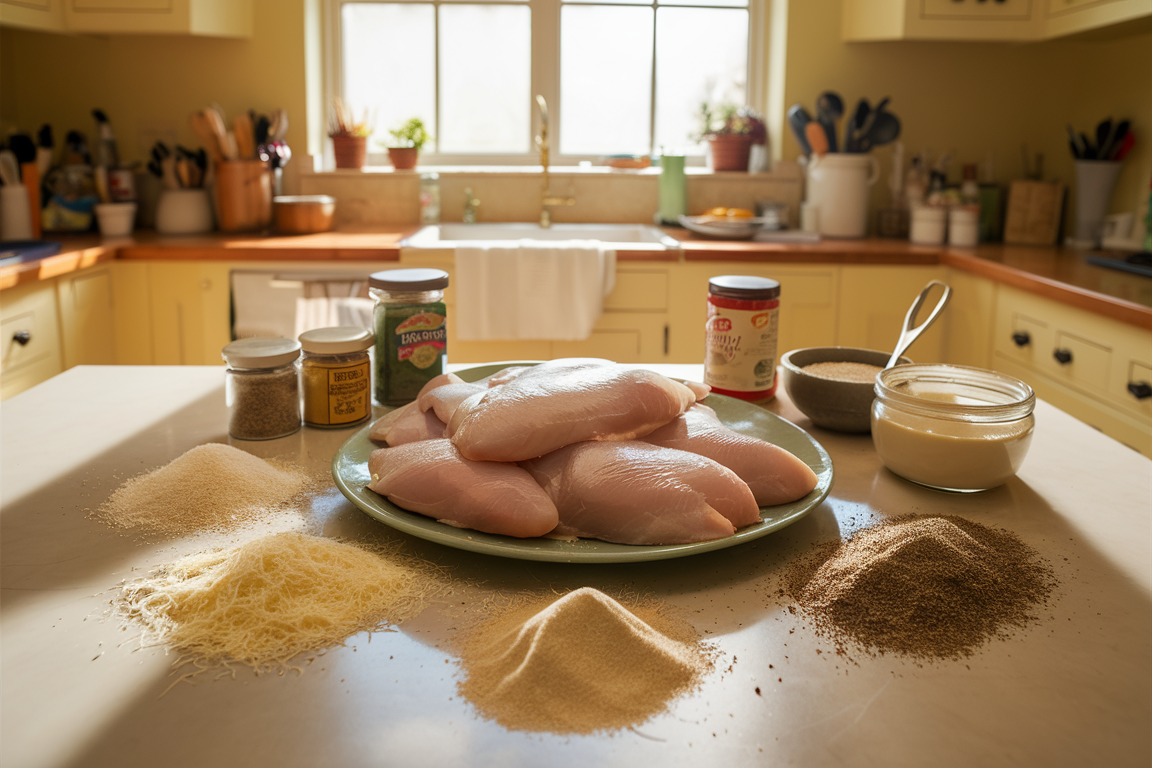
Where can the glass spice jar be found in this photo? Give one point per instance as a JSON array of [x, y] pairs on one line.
[[336, 376], [262, 387], [740, 336], [410, 321], [952, 427]]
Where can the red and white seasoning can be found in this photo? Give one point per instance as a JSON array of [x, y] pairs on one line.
[[740, 336]]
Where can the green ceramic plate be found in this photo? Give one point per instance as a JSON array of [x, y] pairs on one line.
[[350, 470]]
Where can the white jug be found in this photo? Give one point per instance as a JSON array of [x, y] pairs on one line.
[[839, 185]]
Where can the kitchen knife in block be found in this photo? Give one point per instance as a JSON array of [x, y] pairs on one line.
[[1035, 209]]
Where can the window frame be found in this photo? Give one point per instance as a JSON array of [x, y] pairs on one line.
[[545, 80]]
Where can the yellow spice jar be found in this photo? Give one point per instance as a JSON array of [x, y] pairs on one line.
[[336, 376]]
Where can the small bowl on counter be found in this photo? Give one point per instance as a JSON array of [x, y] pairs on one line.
[[834, 386], [303, 214]]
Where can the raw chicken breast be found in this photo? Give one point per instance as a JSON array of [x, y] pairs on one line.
[[407, 424], [631, 492], [562, 402], [774, 475], [432, 478], [445, 398]]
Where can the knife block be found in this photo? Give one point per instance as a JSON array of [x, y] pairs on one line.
[[243, 195]]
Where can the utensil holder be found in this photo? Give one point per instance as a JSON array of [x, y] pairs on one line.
[[183, 212], [840, 184], [1095, 180], [243, 195]]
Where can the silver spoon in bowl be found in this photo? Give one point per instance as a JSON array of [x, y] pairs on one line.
[[910, 333]]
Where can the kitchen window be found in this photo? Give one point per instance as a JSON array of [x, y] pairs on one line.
[[619, 76]]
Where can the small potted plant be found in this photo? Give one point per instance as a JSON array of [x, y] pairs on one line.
[[349, 136], [730, 132], [407, 141]]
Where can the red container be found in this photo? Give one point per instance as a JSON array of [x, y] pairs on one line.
[[740, 336]]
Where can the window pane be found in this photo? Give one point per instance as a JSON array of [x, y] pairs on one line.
[[605, 79], [719, 3], [701, 56], [389, 63], [485, 78]]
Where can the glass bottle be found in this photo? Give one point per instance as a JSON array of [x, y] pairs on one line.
[[336, 376], [429, 198], [740, 336], [410, 321], [262, 387]]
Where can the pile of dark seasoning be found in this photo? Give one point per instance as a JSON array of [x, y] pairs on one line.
[[925, 587]]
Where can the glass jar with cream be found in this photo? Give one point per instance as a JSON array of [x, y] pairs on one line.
[[952, 427]]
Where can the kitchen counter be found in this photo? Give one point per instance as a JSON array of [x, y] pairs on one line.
[[1061, 274], [1073, 689]]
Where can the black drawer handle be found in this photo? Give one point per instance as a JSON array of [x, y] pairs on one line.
[[1140, 389], [1021, 338], [1063, 356], [22, 337]]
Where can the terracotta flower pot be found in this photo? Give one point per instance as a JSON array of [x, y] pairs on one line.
[[730, 151], [403, 158], [350, 151]]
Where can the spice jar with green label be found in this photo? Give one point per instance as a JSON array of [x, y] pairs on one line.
[[410, 320], [262, 387], [336, 375]]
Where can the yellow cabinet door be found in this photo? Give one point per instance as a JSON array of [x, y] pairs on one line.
[[874, 301], [87, 325], [215, 18], [190, 310], [42, 15]]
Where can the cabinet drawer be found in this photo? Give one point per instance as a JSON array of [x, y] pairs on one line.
[[1081, 361], [638, 291], [28, 316], [1023, 339]]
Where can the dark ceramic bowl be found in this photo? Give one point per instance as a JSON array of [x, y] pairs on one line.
[[836, 404]]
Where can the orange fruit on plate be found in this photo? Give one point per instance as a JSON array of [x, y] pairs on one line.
[[729, 213]]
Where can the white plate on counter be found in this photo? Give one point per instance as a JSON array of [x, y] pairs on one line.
[[350, 471], [723, 228]]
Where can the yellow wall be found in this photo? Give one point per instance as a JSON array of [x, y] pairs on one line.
[[971, 98], [964, 98], [149, 84]]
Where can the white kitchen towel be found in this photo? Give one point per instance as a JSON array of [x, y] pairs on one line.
[[538, 289]]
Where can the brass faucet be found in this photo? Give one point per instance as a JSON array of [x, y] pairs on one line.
[[547, 200]]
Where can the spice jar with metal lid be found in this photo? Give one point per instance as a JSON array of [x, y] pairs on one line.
[[410, 320], [336, 376], [740, 336], [262, 387], [952, 427]]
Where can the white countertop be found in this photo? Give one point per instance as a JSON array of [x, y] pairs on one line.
[[1074, 689]]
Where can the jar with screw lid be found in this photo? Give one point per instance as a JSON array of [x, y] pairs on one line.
[[262, 387], [740, 336], [336, 376], [410, 321]]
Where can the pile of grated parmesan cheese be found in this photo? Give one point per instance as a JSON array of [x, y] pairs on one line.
[[270, 599]]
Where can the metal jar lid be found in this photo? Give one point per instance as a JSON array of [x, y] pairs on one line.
[[260, 352], [744, 287], [409, 280], [337, 340]]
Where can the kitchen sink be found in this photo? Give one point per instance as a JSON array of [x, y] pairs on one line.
[[621, 237]]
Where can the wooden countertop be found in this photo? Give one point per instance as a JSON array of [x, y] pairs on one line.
[[1057, 273]]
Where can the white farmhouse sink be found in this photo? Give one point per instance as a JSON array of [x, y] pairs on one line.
[[621, 237]]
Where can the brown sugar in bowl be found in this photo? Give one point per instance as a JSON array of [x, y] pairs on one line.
[[303, 214]]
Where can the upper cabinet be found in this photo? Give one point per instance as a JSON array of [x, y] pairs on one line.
[[983, 20], [213, 18]]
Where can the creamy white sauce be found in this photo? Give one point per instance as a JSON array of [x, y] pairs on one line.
[[950, 455]]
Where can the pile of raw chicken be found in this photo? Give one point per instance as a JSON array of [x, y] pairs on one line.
[[579, 448]]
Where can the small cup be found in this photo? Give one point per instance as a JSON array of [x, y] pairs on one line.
[[183, 212], [964, 226], [928, 225], [116, 219]]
